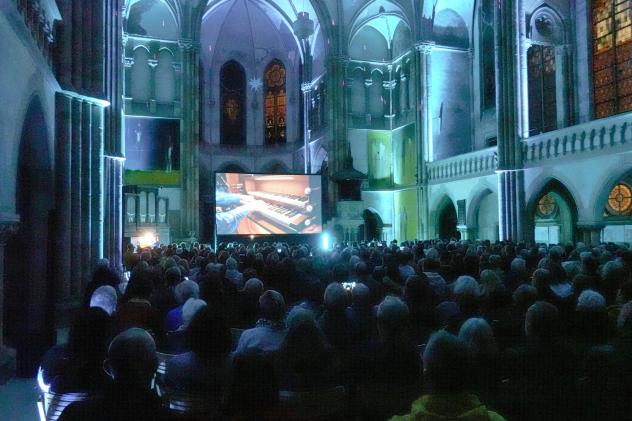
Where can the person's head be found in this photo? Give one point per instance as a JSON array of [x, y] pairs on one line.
[[304, 342], [524, 296], [590, 301], [208, 334], [140, 285], [335, 298], [253, 287], [446, 364], [185, 290], [417, 290], [272, 306], [467, 293], [624, 320], [297, 315], [88, 336], [541, 279], [541, 322], [519, 267], [490, 282], [105, 298], [231, 264], [189, 309], [361, 296], [430, 264], [392, 318], [477, 334], [132, 358], [173, 276]]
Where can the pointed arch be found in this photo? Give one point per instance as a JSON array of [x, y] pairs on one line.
[[233, 104], [552, 210]]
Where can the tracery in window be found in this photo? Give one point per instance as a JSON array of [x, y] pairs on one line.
[[620, 200], [612, 57], [275, 103], [233, 104]]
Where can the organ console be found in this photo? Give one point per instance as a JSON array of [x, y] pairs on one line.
[[286, 204]]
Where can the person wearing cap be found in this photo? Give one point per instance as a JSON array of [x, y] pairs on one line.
[[270, 330]]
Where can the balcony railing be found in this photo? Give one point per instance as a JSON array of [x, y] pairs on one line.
[[477, 163], [603, 135]]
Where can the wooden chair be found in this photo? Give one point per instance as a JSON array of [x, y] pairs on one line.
[[328, 404], [51, 405]]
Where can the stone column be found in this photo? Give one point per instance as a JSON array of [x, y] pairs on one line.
[[510, 118], [86, 193], [97, 197], [76, 245], [307, 89], [63, 135], [8, 228], [591, 233], [189, 138], [336, 73], [423, 131]]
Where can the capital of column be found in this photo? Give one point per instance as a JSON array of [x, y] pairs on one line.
[[188, 44], [307, 87], [389, 84], [425, 47]]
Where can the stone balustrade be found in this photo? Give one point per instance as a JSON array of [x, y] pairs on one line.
[[467, 165], [599, 136]]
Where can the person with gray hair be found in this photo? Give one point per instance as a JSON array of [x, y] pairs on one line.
[[233, 275], [270, 330], [248, 303], [446, 369], [184, 290], [467, 294], [591, 325], [332, 321], [105, 298], [478, 336], [359, 315], [132, 363]]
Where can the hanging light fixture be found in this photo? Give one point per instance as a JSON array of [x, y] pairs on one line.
[[303, 26]]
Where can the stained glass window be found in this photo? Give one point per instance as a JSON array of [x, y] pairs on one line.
[[547, 206], [542, 89], [620, 200], [275, 103], [612, 57], [233, 104]]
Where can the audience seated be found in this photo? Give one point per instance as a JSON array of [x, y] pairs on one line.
[[204, 370], [535, 332], [269, 331], [184, 290], [131, 362], [446, 372], [77, 365]]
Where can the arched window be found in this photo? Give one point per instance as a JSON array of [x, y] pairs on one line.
[[488, 70], [275, 110], [542, 89], [233, 104], [612, 57]]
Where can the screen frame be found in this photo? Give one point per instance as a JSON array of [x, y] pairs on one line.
[[214, 189]]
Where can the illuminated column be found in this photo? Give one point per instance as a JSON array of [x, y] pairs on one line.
[[307, 89], [75, 197], [424, 129], [591, 233], [510, 66], [63, 136], [189, 138], [86, 192]]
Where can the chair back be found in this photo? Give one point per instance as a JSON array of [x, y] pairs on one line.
[[55, 403], [315, 405], [181, 403]]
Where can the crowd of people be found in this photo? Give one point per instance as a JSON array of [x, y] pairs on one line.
[[424, 330]]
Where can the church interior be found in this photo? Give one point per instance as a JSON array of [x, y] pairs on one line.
[[338, 132]]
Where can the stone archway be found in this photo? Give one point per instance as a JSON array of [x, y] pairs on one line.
[[28, 283], [373, 225], [447, 221]]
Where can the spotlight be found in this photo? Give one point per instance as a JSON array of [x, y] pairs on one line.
[[325, 241], [148, 239]]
